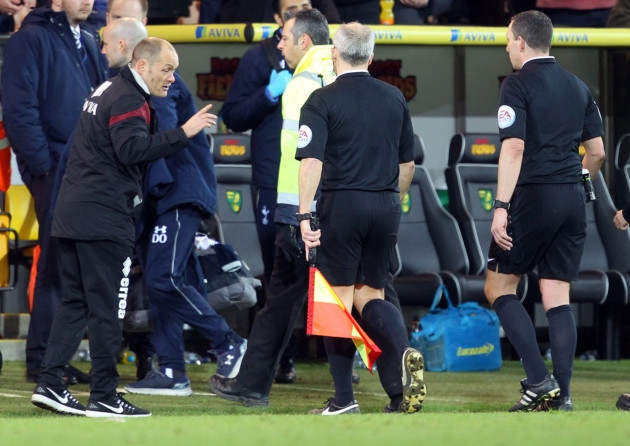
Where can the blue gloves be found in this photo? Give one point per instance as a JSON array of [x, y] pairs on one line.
[[278, 82]]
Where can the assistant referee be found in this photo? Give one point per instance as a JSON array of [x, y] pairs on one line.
[[539, 217]]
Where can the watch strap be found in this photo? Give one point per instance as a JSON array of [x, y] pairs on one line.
[[302, 217], [496, 204]]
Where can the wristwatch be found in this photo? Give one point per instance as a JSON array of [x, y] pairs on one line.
[[500, 204], [302, 217]]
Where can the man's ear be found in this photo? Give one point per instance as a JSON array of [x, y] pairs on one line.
[[141, 66], [278, 20], [306, 41]]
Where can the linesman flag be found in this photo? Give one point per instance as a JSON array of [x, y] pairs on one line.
[[328, 316]]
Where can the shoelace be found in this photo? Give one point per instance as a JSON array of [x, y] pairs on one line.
[[124, 403], [70, 397]]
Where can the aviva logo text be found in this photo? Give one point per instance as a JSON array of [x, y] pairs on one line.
[[458, 35]]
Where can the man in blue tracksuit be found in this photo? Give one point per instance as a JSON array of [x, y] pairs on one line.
[[45, 81], [179, 191]]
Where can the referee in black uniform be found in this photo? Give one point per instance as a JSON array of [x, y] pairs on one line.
[[539, 217], [356, 136]]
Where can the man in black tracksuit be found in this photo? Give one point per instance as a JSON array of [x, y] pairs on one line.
[[113, 141]]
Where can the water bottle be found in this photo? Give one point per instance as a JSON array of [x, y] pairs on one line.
[[127, 357], [587, 182], [387, 12]]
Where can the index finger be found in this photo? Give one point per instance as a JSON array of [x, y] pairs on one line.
[[206, 108]]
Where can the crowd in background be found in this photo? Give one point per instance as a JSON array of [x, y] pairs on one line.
[[571, 13]]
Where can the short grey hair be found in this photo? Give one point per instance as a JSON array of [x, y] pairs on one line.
[[312, 23], [355, 43], [128, 29]]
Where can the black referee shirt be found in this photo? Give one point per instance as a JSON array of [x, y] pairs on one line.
[[361, 129], [552, 111]]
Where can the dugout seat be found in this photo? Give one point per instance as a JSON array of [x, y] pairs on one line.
[[235, 222], [19, 234], [431, 247], [235, 196], [471, 178], [622, 171]]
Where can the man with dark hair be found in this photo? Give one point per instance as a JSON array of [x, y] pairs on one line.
[[364, 172], [305, 48], [254, 102], [539, 180], [50, 67], [113, 141]]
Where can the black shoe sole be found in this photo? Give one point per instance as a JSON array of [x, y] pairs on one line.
[[246, 401], [623, 403], [43, 405], [537, 402]]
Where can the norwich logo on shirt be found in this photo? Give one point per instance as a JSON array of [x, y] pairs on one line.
[[486, 197], [406, 203], [235, 200]]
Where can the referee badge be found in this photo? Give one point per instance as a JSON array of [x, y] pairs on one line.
[[486, 197], [506, 116], [305, 135], [406, 203], [234, 199]]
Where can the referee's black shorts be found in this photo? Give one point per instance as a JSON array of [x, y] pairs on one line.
[[359, 231], [547, 223]]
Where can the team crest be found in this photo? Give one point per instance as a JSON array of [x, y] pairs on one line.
[[235, 200], [406, 203], [486, 197]]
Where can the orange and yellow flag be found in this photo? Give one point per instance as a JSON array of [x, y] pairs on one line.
[[328, 316]]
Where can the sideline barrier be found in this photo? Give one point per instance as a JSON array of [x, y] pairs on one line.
[[395, 35]]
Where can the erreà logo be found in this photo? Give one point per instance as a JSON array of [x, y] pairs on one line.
[[406, 203], [486, 197], [235, 200], [123, 290]]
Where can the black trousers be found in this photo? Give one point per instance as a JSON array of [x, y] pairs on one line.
[[274, 323], [47, 290], [95, 281]]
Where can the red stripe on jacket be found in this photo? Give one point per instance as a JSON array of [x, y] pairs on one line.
[[143, 112]]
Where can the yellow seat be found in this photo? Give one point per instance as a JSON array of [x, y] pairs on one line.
[[21, 206]]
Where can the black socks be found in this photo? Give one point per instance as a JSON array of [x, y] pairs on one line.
[[519, 329], [562, 341], [382, 321]]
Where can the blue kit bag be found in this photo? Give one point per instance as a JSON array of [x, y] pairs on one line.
[[462, 338]]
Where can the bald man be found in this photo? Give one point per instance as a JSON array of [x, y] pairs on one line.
[[114, 139]]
